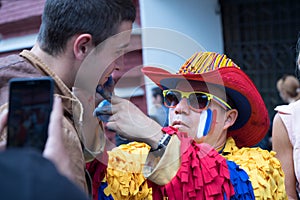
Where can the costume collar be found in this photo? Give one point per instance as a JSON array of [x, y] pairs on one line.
[[229, 146]]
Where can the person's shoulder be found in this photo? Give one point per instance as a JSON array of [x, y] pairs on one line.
[[253, 157], [10, 60], [289, 108], [283, 109], [295, 105], [10, 67], [257, 152], [264, 170]]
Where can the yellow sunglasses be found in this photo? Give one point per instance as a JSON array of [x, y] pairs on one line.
[[197, 101]]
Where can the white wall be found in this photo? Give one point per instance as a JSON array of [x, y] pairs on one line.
[[172, 30]]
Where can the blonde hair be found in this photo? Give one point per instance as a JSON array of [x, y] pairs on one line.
[[290, 85]]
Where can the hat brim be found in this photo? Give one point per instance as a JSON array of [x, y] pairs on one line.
[[253, 121]]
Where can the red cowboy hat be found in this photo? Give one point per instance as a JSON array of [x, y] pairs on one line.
[[253, 121]]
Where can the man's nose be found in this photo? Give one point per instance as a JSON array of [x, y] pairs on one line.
[[182, 107], [117, 67]]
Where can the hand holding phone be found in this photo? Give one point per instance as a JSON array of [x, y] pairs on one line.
[[30, 105]]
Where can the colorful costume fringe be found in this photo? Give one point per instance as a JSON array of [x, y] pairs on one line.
[[124, 172], [203, 173], [263, 168], [101, 194], [240, 180], [249, 173]]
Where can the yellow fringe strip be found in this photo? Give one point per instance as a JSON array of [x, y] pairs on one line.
[[263, 168], [124, 172]]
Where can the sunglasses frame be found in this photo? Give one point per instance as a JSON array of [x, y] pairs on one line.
[[186, 95]]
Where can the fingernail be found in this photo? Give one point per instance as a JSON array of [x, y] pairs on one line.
[[57, 98]]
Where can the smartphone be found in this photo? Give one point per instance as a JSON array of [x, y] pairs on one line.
[[30, 105]]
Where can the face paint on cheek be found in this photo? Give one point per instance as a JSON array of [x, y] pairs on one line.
[[206, 123]]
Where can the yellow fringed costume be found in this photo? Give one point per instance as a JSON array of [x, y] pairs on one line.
[[263, 168], [124, 172]]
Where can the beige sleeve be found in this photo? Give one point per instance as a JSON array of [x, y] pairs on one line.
[[162, 170]]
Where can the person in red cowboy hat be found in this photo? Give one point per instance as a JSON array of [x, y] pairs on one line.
[[215, 115]]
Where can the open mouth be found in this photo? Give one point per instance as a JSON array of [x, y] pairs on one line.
[[178, 123]]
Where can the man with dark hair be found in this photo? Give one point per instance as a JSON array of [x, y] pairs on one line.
[[101, 20], [159, 112], [75, 34]]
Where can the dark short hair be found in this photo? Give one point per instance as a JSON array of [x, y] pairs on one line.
[[157, 91], [63, 19]]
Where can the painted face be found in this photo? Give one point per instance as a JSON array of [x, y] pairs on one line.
[[186, 119]]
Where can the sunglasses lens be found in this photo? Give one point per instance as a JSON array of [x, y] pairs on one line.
[[172, 98], [198, 101]]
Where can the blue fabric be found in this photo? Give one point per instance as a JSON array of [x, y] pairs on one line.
[[243, 189], [225, 198], [101, 194]]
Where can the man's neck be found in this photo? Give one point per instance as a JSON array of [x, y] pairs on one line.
[[61, 65], [219, 142]]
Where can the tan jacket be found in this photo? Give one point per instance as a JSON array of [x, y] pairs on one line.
[[82, 144]]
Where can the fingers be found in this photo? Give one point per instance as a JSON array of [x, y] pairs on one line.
[[55, 149], [124, 105], [116, 100], [54, 142], [112, 125], [118, 104], [104, 108], [57, 111], [55, 125], [3, 120]]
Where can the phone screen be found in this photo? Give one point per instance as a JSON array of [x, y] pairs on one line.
[[30, 105]]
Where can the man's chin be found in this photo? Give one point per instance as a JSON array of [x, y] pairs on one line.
[[181, 128], [199, 140]]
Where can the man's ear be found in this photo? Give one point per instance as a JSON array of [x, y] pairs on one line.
[[82, 46], [231, 116]]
